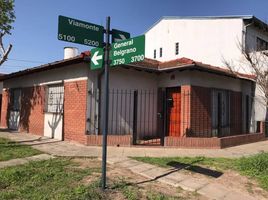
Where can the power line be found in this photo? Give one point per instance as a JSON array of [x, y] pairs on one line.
[[16, 66], [31, 61]]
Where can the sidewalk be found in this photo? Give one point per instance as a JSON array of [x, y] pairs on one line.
[[204, 185], [174, 177], [22, 161], [63, 148]]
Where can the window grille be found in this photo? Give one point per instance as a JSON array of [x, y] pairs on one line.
[[161, 52], [176, 48], [16, 93], [54, 98], [261, 44], [155, 53]]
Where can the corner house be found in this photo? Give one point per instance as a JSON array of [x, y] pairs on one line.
[[178, 103]]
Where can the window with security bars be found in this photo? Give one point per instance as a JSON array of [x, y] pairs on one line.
[[155, 53], [261, 44], [54, 98]]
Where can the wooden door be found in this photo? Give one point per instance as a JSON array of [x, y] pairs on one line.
[[173, 111]]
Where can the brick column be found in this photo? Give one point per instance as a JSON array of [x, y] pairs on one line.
[[262, 127], [4, 111], [31, 112], [75, 108], [185, 109]]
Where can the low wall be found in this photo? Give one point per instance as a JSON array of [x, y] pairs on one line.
[[190, 142], [213, 143], [241, 139], [112, 140]]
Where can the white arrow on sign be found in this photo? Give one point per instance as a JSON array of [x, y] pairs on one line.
[[122, 37], [96, 57]]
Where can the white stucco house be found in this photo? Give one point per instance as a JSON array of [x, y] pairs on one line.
[[210, 39], [180, 96]]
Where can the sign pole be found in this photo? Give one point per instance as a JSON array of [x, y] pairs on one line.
[[106, 102]]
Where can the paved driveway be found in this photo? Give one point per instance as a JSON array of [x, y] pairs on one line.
[[63, 148]]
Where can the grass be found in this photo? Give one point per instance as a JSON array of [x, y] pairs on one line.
[[52, 179], [220, 164], [67, 179], [133, 192], [11, 150], [255, 166]]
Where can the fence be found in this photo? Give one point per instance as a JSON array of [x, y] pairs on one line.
[[216, 113], [148, 115], [131, 112]]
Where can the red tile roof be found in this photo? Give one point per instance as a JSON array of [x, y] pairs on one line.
[[147, 64], [183, 63]]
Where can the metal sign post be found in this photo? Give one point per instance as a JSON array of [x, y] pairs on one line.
[[106, 102], [123, 51]]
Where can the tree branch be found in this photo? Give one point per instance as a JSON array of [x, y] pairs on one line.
[[5, 55]]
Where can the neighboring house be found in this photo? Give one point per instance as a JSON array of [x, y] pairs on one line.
[[179, 103], [210, 39]]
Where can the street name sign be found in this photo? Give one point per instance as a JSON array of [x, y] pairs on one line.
[[128, 51], [96, 58], [77, 31], [118, 35]]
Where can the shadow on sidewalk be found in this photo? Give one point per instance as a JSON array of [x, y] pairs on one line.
[[177, 166], [39, 141], [196, 169]]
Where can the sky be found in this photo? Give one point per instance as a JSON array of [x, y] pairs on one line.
[[34, 36]]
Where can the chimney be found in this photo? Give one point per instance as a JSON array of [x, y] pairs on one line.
[[70, 52]]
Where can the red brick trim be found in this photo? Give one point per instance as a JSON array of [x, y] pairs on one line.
[[185, 109], [213, 143], [241, 139], [4, 111], [31, 112], [75, 107], [112, 140], [190, 142]]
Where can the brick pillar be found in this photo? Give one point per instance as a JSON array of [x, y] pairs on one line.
[[75, 108], [185, 109], [31, 112], [4, 111], [262, 127]]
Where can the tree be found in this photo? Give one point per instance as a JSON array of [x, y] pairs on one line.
[[255, 63], [7, 17]]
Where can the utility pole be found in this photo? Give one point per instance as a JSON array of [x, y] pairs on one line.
[[106, 102]]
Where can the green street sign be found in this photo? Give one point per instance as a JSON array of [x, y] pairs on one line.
[[118, 35], [96, 58], [128, 51], [77, 31]]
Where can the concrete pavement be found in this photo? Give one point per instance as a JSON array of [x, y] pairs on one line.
[[63, 148], [22, 161], [171, 176], [119, 156]]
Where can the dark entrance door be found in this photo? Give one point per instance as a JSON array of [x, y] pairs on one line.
[[173, 102], [148, 117]]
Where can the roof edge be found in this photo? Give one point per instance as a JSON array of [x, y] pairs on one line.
[[199, 18]]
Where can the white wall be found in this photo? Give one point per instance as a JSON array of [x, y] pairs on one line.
[[205, 40], [202, 79], [76, 71], [52, 122], [123, 82], [53, 126]]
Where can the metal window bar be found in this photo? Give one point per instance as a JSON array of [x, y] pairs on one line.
[[54, 98]]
